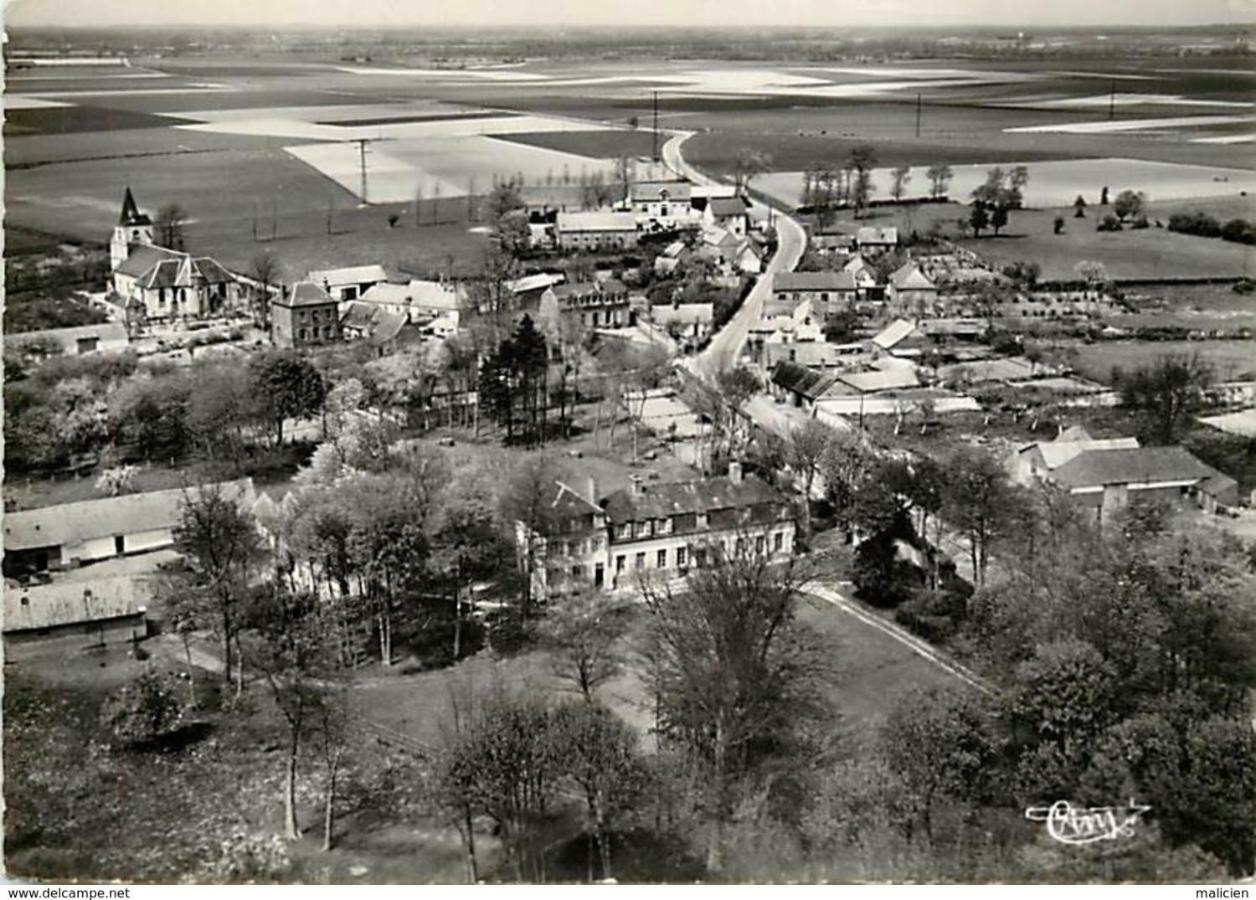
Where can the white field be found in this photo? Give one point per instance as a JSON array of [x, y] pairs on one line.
[[1103, 101], [1056, 182], [1127, 125], [24, 101], [439, 157]]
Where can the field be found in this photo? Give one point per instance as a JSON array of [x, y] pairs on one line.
[[1232, 360], [272, 140]]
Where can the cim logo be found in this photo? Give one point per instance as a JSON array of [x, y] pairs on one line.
[[1072, 825]]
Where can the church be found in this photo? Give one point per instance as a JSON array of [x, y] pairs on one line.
[[160, 285]]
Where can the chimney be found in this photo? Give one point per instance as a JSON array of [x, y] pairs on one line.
[[638, 486], [592, 486], [734, 472]]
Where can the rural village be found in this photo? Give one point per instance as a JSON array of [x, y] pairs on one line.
[[719, 510]]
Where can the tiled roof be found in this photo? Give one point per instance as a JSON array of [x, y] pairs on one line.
[[871, 235], [813, 281], [722, 207], [657, 501], [1097, 468], [307, 293], [142, 257], [567, 511], [908, 277], [596, 221], [801, 380], [72, 523], [1056, 453], [653, 190], [883, 380]]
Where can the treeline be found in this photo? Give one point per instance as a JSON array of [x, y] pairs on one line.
[[1239, 231], [67, 410]]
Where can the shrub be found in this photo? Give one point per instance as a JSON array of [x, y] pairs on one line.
[[1240, 231], [1197, 223], [1244, 286], [1140, 222], [143, 712], [1109, 223]]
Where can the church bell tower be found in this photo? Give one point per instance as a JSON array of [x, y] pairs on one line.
[[134, 227]]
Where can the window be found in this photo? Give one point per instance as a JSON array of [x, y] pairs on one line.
[[680, 557], [625, 532], [700, 556], [760, 544], [662, 559], [304, 334], [304, 316], [619, 563], [577, 571], [778, 541], [664, 526], [639, 562], [599, 576], [741, 546]]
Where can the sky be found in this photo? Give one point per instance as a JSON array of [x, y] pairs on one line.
[[851, 13]]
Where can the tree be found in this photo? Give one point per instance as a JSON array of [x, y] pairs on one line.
[[624, 175], [507, 765], [731, 671], [998, 218], [1168, 390], [861, 191], [1128, 204], [524, 503], [286, 387], [504, 198], [418, 204], [169, 226], [221, 550], [266, 271], [978, 218], [602, 761], [899, 178], [939, 175], [468, 544], [748, 165], [1018, 180], [1057, 225], [941, 744], [143, 712], [805, 449], [513, 232], [583, 632], [1094, 274], [979, 502], [294, 651], [1079, 207], [1064, 696]]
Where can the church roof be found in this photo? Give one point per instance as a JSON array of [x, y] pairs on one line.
[[131, 214]]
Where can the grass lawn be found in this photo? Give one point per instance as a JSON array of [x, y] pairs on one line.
[[1232, 360]]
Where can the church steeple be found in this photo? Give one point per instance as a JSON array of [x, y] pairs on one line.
[[131, 215], [134, 227]]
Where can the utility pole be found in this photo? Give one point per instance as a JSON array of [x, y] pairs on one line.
[[1112, 103], [919, 103], [361, 142], [656, 126]]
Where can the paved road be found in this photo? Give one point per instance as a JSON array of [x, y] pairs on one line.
[[722, 353]]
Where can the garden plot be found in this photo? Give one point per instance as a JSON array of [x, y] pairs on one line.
[[1055, 182]]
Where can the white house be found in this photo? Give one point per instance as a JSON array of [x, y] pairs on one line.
[[597, 230]]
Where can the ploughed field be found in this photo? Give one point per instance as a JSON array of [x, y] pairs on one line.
[[223, 138]]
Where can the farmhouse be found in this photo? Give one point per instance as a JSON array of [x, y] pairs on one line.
[[305, 316], [799, 385], [825, 288], [730, 213], [73, 534], [418, 302], [348, 283], [1040, 459], [597, 230], [107, 337], [910, 290], [660, 199], [1107, 480], [597, 304], [870, 239], [380, 328], [685, 320], [101, 610], [813, 354]]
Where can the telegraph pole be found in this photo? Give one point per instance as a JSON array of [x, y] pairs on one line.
[[656, 126], [361, 142], [1112, 103], [919, 103]]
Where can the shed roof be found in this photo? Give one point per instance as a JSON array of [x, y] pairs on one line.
[[894, 333], [72, 523], [1098, 468], [724, 207], [908, 277], [801, 380], [348, 275], [812, 281], [880, 380]]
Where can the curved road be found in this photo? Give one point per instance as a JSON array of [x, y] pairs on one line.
[[726, 346]]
